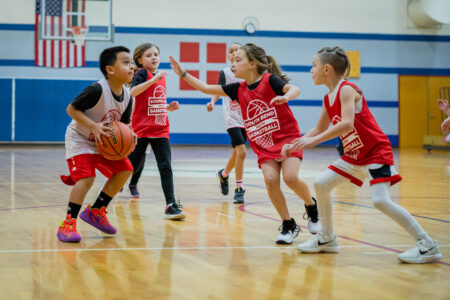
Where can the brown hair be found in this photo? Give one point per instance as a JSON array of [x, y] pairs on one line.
[[337, 58], [265, 62], [139, 51]]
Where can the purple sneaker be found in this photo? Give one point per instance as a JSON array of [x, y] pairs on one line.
[[67, 231], [97, 218]]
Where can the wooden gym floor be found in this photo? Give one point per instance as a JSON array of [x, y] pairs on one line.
[[220, 251]]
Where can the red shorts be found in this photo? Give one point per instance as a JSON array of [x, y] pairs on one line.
[[84, 165]]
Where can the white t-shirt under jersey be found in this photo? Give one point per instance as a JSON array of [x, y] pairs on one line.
[[78, 138], [231, 109]]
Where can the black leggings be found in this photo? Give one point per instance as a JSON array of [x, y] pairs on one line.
[[163, 155]]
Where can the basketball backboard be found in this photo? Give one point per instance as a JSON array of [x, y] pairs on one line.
[[59, 19]]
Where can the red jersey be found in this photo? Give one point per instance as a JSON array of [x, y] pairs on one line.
[[150, 111], [366, 143], [268, 126]]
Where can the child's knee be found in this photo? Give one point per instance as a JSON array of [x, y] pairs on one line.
[[379, 202], [290, 179], [241, 152], [86, 182], [271, 181], [320, 185]]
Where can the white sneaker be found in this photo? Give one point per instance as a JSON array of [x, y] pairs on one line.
[[421, 253], [319, 243], [312, 215], [289, 231]]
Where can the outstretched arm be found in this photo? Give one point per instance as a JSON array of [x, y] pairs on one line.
[[194, 82]]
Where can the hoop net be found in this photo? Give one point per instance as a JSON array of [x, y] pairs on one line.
[[160, 119], [79, 34], [265, 141]]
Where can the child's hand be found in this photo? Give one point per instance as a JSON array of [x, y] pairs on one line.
[[443, 105], [134, 134], [175, 66], [279, 100], [99, 129], [286, 150], [304, 143], [174, 105], [159, 75], [210, 106]]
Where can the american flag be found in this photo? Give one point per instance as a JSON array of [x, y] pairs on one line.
[[57, 19]]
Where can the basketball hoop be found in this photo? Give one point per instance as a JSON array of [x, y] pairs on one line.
[[79, 34]]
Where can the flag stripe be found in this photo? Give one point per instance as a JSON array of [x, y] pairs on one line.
[[56, 19]]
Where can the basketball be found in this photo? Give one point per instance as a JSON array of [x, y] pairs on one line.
[[119, 143]]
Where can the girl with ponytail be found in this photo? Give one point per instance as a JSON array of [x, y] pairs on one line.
[[367, 153], [269, 124]]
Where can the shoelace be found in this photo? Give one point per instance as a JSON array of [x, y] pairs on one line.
[[306, 216], [102, 213], [69, 225], [284, 228]]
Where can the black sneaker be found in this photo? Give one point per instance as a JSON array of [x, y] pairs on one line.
[[239, 196], [289, 230], [173, 212], [312, 215], [133, 191], [223, 183]]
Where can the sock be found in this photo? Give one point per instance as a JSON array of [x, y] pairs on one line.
[[240, 184], [102, 200], [225, 173], [382, 201], [73, 209]]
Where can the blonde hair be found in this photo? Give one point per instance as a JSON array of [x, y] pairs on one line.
[[337, 58], [139, 51], [264, 62]]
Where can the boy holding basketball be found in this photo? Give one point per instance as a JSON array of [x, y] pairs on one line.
[[104, 101]]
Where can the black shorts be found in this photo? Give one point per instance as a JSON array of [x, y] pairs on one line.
[[237, 135]]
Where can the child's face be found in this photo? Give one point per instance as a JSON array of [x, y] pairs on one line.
[[241, 65], [317, 71], [150, 59], [231, 50], [123, 69]]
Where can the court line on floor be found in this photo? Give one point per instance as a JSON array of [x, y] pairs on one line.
[[243, 209], [6, 251], [367, 206]]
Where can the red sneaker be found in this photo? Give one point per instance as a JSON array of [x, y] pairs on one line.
[[97, 218], [67, 231]]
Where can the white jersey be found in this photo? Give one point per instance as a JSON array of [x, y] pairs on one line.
[[79, 140], [231, 109]]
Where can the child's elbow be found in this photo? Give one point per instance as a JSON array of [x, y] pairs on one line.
[[347, 126]]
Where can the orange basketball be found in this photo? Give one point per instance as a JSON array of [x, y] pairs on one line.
[[119, 143]]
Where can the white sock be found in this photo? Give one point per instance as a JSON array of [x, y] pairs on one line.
[[323, 186], [382, 201]]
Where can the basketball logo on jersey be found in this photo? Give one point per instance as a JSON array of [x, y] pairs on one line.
[[350, 140], [112, 115], [260, 123], [157, 105]]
